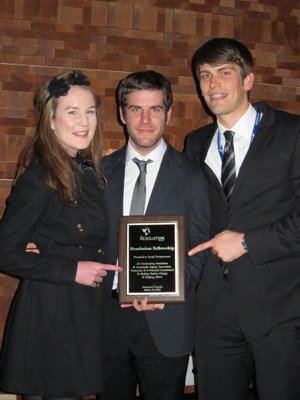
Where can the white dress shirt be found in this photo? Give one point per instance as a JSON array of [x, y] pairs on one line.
[[241, 141], [131, 174]]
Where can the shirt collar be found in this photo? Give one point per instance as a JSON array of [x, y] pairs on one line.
[[244, 126], [155, 155]]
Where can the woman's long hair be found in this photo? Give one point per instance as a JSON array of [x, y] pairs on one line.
[[59, 169]]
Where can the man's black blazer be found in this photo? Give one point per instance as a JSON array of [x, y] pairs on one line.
[[180, 189], [265, 204]]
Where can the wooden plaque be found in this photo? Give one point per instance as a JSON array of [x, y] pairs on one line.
[[152, 253]]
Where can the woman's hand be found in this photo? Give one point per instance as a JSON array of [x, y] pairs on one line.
[[91, 273]]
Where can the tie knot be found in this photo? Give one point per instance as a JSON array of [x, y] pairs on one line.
[[229, 136], [142, 164]]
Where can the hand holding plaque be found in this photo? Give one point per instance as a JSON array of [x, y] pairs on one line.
[[152, 254]]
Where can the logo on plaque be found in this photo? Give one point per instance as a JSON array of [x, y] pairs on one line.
[[146, 231]]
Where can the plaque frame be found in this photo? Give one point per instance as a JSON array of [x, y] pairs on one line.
[[178, 255]]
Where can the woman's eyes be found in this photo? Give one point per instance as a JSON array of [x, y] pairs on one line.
[[75, 112], [91, 112]]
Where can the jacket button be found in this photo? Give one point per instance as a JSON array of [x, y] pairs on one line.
[[80, 227], [73, 203], [100, 251], [79, 247]]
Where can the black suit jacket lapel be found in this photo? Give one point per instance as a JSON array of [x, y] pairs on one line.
[[203, 149], [115, 184], [262, 137], [205, 142], [168, 175]]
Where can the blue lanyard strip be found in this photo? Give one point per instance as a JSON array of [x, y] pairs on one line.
[[255, 127]]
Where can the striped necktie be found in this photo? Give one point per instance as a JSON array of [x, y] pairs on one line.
[[228, 175]]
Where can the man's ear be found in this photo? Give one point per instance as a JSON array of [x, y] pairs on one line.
[[169, 113], [248, 81], [122, 115]]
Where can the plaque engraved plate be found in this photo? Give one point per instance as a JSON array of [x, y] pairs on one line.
[[152, 253]]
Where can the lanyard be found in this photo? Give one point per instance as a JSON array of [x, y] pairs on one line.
[[256, 125]]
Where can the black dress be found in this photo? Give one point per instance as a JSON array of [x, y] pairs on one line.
[[53, 338]]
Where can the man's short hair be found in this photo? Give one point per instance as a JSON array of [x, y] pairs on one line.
[[221, 51], [144, 80]]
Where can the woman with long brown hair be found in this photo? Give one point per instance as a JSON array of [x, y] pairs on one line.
[[52, 346]]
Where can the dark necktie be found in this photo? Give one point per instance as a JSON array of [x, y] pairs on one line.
[[228, 175], [138, 200]]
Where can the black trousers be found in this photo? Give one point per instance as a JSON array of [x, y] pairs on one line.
[[132, 358], [226, 357]]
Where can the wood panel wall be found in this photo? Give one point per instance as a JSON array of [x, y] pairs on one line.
[[109, 39]]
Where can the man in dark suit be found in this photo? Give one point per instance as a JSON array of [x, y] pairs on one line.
[[151, 347], [248, 302]]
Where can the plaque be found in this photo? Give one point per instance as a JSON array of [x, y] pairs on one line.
[[152, 253]]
